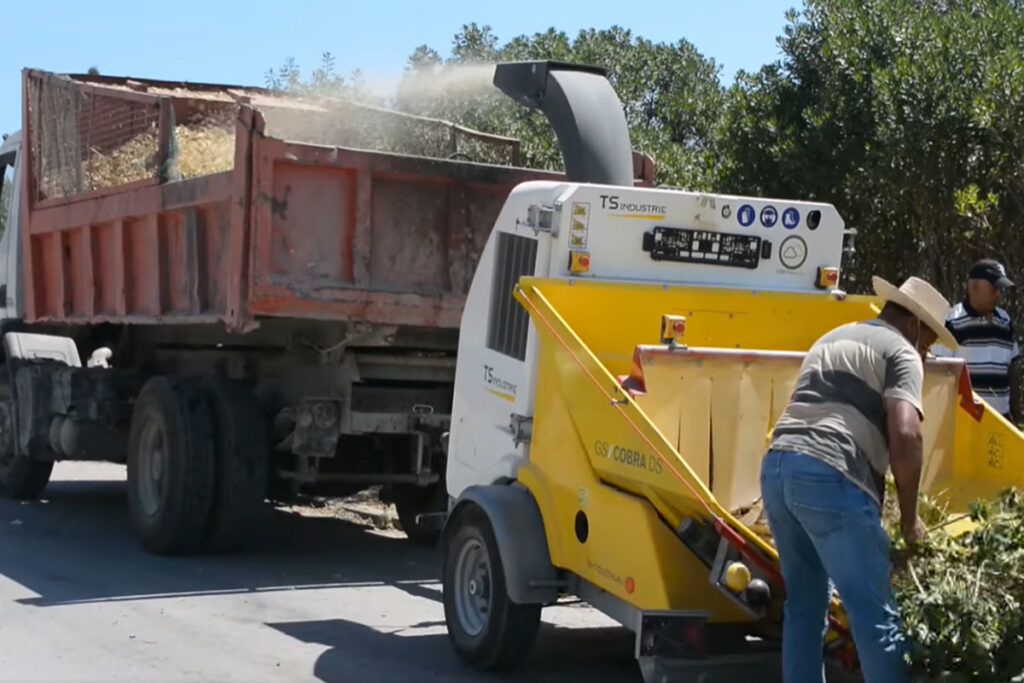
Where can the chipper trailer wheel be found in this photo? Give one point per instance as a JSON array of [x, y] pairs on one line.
[[20, 476], [488, 630], [171, 466]]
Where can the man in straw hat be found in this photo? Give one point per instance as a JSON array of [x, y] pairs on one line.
[[855, 412]]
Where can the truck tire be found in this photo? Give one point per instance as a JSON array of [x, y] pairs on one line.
[[414, 500], [21, 477], [170, 467], [241, 462], [488, 630]]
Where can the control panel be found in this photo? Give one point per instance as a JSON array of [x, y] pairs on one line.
[[671, 236], [703, 246]]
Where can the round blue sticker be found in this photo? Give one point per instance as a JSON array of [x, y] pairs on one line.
[[768, 216], [790, 218], [745, 215]]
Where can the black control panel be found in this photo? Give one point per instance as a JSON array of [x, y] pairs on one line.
[[704, 246]]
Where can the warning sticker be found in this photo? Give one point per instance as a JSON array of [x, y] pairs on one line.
[[579, 227]]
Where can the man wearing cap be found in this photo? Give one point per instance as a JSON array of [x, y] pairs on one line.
[[855, 413], [986, 335]]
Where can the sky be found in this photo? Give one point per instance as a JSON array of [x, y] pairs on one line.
[[237, 42]]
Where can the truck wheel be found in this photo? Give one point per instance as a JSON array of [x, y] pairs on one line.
[[21, 477], [170, 467], [415, 500], [487, 629], [240, 467]]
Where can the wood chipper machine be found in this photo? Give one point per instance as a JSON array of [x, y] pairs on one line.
[[623, 355]]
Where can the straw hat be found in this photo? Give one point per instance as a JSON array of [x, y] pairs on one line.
[[921, 299]]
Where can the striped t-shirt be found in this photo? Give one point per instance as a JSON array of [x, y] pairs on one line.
[[837, 411], [988, 345]]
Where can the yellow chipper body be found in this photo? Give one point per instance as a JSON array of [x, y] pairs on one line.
[[621, 366], [658, 446]]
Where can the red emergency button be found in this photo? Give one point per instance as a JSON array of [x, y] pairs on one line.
[[827, 277], [579, 262], [673, 329]]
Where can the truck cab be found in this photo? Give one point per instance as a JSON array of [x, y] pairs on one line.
[[10, 202]]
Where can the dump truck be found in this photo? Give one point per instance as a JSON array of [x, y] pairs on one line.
[[624, 353], [240, 294]]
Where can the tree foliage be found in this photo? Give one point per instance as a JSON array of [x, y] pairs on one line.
[[670, 92], [324, 80], [908, 115]]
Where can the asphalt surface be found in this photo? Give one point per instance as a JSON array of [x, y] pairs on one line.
[[318, 599]]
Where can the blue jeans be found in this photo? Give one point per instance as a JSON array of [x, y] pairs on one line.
[[825, 527]]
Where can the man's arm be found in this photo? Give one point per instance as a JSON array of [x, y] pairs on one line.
[[904, 380], [905, 458]]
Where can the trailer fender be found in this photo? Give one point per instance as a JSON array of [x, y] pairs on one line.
[[519, 531]]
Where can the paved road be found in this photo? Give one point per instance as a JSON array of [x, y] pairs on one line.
[[319, 599]]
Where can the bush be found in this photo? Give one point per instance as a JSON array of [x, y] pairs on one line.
[[961, 595]]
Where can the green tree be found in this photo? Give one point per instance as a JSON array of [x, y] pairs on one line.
[[324, 80], [671, 95], [893, 110]]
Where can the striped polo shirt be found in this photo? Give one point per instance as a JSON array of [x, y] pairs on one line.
[[989, 345], [837, 411]]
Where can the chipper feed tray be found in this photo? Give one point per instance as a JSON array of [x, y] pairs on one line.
[[653, 450]]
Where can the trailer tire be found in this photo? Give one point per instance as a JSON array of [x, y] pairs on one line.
[[21, 477], [500, 636], [241, 464], [170, 467]]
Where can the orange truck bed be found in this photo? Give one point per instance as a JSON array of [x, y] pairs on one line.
[[297, 222]]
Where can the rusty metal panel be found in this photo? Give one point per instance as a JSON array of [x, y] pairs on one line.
[[383, 308], [107, 243], [44, 258], [341, 233], [78, 256], [294, 229], [408, 245], [482, 205], [164, 264], [312, 221], [216, 276]]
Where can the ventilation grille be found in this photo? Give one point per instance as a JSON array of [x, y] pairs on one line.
[[509, 322]]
